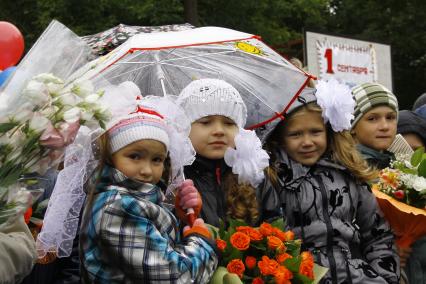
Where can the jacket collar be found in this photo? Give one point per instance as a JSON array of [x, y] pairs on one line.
[[381, 159], [203, 164], [140, 190]]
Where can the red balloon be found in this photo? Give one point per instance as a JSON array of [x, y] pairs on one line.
[[11, 45]]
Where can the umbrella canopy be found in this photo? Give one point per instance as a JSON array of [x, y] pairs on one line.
[[104, 42], [164, 63]]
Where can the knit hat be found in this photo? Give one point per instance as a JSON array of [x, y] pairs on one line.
[[143, 124], [206, 97], [409, 122], [370, 95], [421, 101]]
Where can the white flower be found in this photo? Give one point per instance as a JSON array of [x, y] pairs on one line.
[[23, 113], [83, 88], [47, 78], [86, 115], [67, 99], [337, 104], [419, 183], [54, 89], [38, 123], [72, 115], [92, 99], [36, 93]]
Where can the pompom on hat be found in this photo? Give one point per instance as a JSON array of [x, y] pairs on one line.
[[206, 97], [370, 95]]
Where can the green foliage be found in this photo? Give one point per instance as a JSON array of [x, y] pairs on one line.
[[416, 158]]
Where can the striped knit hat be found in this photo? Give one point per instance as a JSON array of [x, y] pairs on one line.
[[143, 124], [370, 95]]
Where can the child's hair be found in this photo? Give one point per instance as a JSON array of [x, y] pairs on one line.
[[241, 201], [340, 146]]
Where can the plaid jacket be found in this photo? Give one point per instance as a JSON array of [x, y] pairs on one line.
[[127, 236]]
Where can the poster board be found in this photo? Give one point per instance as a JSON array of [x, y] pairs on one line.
[[349, 60]]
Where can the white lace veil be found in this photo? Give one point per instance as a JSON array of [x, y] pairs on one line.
[[61, 221]]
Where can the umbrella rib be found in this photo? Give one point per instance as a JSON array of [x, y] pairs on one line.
[[190, 68]]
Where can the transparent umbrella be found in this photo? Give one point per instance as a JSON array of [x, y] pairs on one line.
[[164, 63]]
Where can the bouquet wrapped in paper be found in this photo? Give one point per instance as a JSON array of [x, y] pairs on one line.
[[401, 194], [266, 254], [41, 111]]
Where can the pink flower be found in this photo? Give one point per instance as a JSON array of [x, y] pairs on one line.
[[69, 131], [51, 138]]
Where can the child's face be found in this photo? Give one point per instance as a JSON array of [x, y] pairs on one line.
[[305, 137], [377, 128], [212, 135], [142, 160]]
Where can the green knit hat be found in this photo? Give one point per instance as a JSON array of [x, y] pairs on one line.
[[371, 95]]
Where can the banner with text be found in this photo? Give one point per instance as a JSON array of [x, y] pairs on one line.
[[350, 63]]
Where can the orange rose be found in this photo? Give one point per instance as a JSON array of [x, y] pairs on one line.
[[282, 257], [254, 234], [279, 234], [307, 265], [267, 266], [250, 262], [236, 266], [289, 236], [266, 229], [221, 244], [275, 243], [283, 275], [257, 280], [240, 241]]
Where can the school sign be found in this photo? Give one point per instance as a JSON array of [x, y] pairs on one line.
[[348, 60]]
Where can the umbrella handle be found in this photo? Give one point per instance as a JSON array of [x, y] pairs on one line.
[[190, 216]]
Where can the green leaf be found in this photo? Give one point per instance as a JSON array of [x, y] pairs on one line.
[[293, 263], [422, 168], [5, 127], [416, 158], [234, 223], [278, 223]]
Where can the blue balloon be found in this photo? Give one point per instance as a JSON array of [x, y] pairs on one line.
[[6, 74]]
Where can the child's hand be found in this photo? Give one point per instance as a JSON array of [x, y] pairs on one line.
[[404, 254], [187, 197], [198, 228]]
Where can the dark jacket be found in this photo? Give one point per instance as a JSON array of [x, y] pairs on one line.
[[374, 158], [207, 176], [339, 220]]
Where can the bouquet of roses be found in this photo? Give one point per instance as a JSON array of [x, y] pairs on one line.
[[41, 111], [266, 254], [401, 194], [33, 136]]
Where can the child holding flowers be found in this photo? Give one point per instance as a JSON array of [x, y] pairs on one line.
[[127, 234], [321, 184], [230, 160]]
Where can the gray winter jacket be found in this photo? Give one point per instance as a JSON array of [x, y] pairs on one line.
[[338, 220]]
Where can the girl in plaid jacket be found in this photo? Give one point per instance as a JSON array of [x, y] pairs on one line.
[[127, 233]]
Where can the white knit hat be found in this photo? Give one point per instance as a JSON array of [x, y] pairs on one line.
[[144, 124], [206, 97]]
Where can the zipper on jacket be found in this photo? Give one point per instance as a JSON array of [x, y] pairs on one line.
[[330, 254]]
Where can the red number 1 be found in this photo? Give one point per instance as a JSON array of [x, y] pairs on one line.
[[329, 55]]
